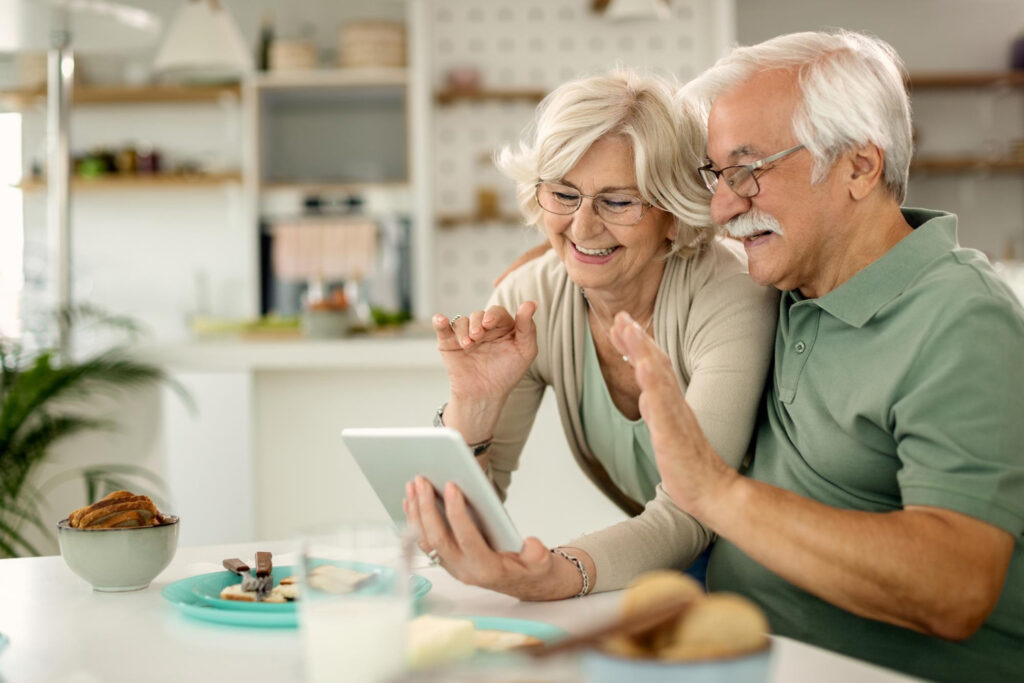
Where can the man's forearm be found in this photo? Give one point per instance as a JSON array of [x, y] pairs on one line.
[[932, 571]]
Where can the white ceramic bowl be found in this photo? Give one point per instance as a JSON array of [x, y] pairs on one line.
[[116, 560]]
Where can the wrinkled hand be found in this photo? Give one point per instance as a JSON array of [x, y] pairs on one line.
[[485, 355], [691, 472], [533, 573]]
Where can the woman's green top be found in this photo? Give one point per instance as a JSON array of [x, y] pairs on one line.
[[623, 446]]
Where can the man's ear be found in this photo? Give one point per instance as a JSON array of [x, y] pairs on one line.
[[867, 164]]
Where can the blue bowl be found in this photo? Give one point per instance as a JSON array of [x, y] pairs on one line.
[[599, 667]]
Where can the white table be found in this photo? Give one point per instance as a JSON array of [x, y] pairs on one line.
[[61, 630]]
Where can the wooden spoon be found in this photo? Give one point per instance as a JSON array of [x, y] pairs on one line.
[[636, 623]]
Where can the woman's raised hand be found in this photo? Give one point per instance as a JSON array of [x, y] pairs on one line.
[[534, 573], [485, 355]]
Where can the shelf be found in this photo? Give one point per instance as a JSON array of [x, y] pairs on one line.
[[456, 220], [451, 96], [111, 182], [332, 186], [86, 94], [331, 78], [954, 80], [937, 164]]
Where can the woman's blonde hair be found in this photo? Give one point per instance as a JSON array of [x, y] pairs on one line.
[[665, 133]]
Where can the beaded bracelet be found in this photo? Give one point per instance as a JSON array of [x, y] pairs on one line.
[[579, 565]]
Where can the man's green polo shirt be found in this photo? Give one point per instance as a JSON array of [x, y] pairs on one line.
[[903, 386]]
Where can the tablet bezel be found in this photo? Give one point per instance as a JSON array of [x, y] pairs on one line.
[[391, 456]]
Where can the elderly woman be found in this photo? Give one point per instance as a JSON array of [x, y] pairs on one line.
[[607, 177]]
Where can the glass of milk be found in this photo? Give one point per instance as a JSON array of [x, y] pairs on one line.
[[355, 601]]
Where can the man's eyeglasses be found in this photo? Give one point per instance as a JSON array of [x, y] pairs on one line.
[[617, 209], [741, 179]]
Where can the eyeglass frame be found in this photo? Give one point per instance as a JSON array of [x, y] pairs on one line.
[[757, 165], [536, 196]]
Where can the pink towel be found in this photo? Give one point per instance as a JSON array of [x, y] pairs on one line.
[[325, 248]]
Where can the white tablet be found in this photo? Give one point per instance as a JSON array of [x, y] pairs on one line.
[[393, 456]]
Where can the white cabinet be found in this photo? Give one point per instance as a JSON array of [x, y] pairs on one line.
[[342, 127], [333, 151], [148, 245]]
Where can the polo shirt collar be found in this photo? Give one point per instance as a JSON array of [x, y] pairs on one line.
[[859, 298]]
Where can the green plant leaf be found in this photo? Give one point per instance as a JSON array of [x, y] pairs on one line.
[[35, 414], [33, 447], [28, 513], [11, 538]]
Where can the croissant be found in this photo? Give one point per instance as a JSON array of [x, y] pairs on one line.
[[120, 509]]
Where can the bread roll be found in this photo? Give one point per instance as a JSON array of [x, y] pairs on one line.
[[655, 588], [720, 625], [651, 590]]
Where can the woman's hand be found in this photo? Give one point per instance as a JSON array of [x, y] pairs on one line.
[[534, 573], [485, 355]]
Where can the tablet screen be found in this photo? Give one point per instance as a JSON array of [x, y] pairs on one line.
[[390, 457]]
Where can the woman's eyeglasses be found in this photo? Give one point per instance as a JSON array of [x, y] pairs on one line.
[[617, 209]]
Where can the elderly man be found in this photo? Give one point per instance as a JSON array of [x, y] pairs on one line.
[[883, 512]]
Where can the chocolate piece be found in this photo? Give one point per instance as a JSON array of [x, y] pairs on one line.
[[249, 582], [263, 564], [235, 566]]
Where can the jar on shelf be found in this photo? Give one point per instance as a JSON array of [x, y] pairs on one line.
[[292, 55], [126, 160], [371, 44], [147, 159]]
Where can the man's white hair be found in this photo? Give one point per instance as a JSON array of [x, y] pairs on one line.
[[665, 133], [853, 93]]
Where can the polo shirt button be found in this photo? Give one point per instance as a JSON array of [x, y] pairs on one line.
[[800, 347]]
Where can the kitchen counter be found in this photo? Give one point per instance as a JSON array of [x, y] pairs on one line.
[[264, 439], [262, 455], [400, 351]]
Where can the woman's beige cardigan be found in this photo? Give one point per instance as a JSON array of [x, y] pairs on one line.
[[717, 327]]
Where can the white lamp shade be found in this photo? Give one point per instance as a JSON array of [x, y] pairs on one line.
[[202, 43], [93, 25]]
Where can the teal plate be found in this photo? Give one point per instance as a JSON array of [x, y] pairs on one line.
[[207, 589], [199, 597], [538, 629]]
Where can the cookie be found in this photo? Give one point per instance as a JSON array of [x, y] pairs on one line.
[[287, 591], [235, 592], [330, 578]]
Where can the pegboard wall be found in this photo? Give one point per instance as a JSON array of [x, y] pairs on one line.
[[525, 44]]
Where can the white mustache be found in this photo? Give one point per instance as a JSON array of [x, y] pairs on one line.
[[751, 223]]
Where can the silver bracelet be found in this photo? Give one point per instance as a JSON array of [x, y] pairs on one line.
[[579, 565], [478, 449]]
